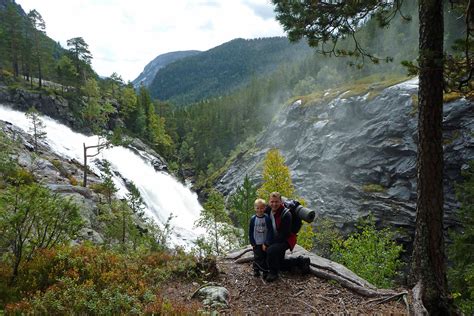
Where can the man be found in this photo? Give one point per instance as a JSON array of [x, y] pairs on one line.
[[283, 238]]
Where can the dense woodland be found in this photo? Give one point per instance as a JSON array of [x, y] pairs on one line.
[[223, 68], [197, 126]]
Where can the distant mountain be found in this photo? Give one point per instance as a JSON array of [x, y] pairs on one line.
[[222, 69], [150, 70]]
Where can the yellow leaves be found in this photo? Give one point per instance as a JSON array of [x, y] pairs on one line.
[[276, 176]]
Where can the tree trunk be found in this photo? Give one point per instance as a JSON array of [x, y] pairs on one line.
[[428, 260], [123, 228], [84, 183], [40, 75]]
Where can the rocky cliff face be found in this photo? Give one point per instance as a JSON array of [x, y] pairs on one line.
[[53, 106], [340, 151], [150, 70]]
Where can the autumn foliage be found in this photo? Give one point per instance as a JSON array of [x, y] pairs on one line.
[[88, 279]]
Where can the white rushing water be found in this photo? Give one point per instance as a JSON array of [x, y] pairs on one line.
[[161, 193]]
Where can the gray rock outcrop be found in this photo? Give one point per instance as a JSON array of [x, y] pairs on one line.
[[60, 175], [355, 155], [53, 105]]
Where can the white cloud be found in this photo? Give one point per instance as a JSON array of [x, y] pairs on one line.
[[124, 36]]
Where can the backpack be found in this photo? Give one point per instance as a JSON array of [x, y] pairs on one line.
[[299, 213]]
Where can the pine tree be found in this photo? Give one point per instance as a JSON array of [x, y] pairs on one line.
[[82, 57], [66, 72], [11, 20], [39, 26], [215, 220], [36, 126], [242, 203], [135, 200]]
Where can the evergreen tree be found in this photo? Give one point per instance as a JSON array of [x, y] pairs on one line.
[[242, 203], [120, 226], [128, 102], [66, 72], [215, 220], [81, 55], [114, 82], [36, 126], [39, 26], [94, 112], [135, 200], [11, 22], [108, 185]]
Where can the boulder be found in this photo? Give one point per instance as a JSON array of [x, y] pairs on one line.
[[213, 296]]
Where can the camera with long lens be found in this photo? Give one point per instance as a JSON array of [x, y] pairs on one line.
[[299, 210]]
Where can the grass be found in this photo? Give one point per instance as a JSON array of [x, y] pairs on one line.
[[455, 135], [373, 187], [414, 104], [371, 85], [451, 96]]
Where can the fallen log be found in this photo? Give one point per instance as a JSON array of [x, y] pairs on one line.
[[326, 269]]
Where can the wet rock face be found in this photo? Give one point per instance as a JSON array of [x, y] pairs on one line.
[[53, 106], [341, 152]]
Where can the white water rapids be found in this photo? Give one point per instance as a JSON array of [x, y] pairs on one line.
[[162, 194]]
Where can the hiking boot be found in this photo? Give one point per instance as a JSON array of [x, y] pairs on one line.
[[271, 277], [256, 273], [304, 264]]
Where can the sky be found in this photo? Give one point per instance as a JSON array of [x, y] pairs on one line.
[[123, 35]]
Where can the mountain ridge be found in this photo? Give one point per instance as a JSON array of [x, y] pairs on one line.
[[223, 69], [149, 72]]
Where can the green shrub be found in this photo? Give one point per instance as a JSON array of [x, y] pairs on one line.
[[370, 253], [326, 234], [306, 236], [460, 254]]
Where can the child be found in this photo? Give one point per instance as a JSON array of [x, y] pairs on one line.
[[260, 235]]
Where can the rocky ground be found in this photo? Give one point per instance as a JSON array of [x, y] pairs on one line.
[[293, 294]]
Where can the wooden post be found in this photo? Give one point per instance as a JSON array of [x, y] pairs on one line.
[[99, 148], [84, 183]]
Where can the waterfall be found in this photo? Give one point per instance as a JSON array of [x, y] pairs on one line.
[[162, 194]]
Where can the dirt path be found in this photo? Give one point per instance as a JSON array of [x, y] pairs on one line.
[[294, 294]]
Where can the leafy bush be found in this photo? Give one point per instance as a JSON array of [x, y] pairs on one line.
[[306, 236], [91, 280], [370, 253], [461, 272], [31, 218], [326, 234]]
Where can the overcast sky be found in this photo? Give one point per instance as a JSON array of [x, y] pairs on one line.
[[124, 35]]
